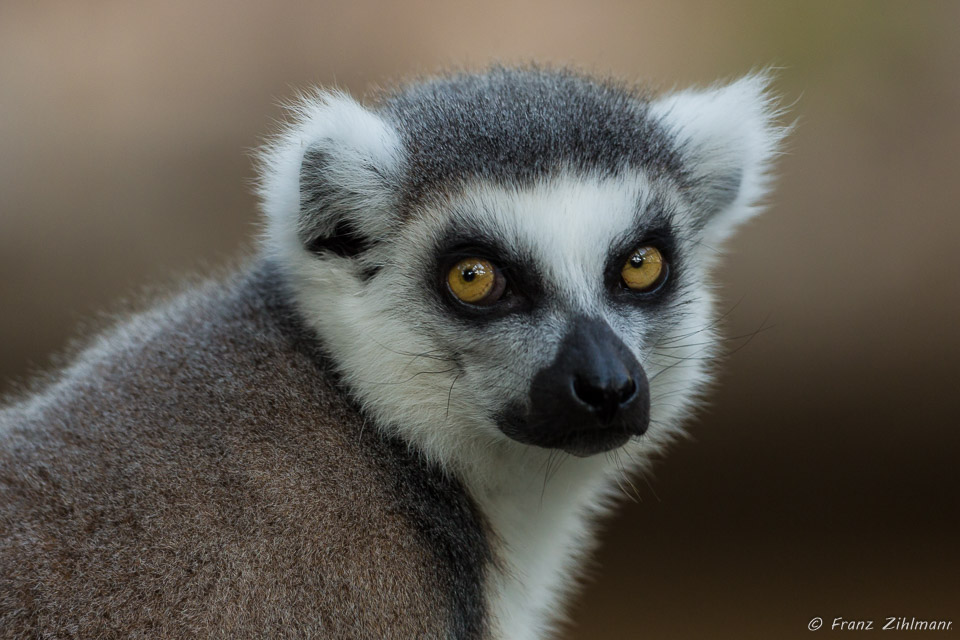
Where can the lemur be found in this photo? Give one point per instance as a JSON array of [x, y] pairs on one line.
[[478, 301]]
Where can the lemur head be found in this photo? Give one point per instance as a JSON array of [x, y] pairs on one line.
[[517, 258]]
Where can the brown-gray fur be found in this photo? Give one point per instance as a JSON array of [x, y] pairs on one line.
[[199, 473]]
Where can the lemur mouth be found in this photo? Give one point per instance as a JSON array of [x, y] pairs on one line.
[[590, 442], [558, 432]]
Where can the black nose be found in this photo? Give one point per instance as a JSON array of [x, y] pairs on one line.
[[599, 372], [604, 396], [593, 397]]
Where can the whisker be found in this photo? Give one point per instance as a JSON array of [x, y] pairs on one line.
[[450, 393]]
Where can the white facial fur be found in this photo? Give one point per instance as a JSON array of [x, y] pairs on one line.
[[438, 381]]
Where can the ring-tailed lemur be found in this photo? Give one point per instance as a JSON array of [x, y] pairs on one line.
[[475, 283]]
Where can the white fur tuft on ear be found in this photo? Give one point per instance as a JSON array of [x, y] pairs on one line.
[[728, 137], [335, 162]]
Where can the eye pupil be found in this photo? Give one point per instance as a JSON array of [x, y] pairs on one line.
[[468, 275], [636, 261]]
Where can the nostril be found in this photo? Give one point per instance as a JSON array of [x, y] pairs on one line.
[[627, 391], [590, 395]]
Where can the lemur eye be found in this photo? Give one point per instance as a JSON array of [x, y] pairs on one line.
[[476, 281], [644, 270]]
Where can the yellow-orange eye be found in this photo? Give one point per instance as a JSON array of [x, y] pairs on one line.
[[475, 281], [644, 270]]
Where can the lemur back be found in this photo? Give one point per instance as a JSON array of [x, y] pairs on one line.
[[137, 501]]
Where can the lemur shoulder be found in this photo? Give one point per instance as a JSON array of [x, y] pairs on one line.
[[478, 300]]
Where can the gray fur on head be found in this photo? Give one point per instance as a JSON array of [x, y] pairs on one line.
[[514, 126]]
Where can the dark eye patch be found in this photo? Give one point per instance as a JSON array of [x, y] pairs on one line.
[[523, 283]]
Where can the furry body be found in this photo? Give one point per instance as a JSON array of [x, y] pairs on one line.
[[138, 502], [331, 444]]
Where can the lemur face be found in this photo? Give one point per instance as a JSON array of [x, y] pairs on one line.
[[517, 258], [547, 302]]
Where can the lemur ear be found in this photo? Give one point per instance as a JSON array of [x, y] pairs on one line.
[[328, 181], [728, 138]]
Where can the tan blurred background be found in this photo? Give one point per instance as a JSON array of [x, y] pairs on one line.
[[822, 481]]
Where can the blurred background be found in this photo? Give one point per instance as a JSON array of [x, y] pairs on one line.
[[823, 480]]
